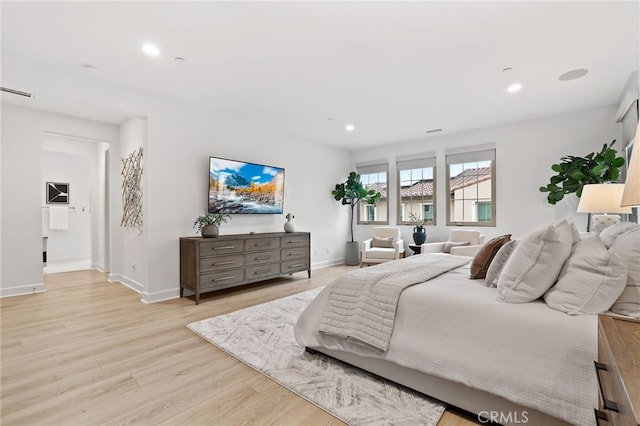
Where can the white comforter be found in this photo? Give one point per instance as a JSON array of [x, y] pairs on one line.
[[454, 328]]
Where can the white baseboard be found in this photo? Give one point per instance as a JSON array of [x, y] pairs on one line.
[[22, 290], [126, 281], [160, 296], [98, 266], [327, 263]]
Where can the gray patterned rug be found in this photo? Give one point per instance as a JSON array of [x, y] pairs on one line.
[[262, 337]]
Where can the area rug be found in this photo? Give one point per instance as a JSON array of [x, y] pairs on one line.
[[262, 337]]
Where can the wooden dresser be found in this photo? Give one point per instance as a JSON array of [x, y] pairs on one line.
[[209, 264], [618, 369]]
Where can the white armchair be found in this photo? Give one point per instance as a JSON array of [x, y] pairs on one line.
[[386, 244], [461, 242]]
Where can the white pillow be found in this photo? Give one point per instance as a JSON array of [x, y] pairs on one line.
[[627, 246], [535, 263], [611, 233], [498, 262], [590, 280]]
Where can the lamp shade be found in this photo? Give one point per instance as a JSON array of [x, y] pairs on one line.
[[631, 195], [602, 198]]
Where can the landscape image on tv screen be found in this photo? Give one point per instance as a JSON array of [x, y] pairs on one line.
[[241, 187]]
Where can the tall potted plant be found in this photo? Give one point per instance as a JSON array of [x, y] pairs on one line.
[[349, 193], [573, 173]]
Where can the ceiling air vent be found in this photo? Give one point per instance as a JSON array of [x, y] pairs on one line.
[[16, 92]]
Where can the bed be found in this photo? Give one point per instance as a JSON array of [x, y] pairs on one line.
[[452, 340]]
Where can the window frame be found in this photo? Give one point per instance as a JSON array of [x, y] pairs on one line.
[[419, 163], [465, 158], [367, 170]]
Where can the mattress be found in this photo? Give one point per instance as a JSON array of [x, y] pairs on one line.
[[454, 328]]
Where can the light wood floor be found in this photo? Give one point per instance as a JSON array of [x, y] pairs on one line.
[[88, 352]]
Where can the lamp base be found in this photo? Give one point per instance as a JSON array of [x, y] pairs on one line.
[[601, 221]]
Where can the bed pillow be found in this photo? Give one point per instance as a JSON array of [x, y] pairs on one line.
[[485, 255], [535, 263], [383, 242], [498, 262], [590, 280], [449, 244], [627, 246], [609, 234]]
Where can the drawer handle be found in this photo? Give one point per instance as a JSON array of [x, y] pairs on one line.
[[221, 279], [264, 271], [608, 404], [294, 241], [230, 262], [296, 266], [224, 248], [295, 254], [262, 258], [600, 415], [261, 244]]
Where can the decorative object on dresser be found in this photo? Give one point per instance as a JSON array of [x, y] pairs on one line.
[[618, 371], [209, 224], [602, 198], [234, 260], [290, 225]]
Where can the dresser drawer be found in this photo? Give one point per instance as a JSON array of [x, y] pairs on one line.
[[259, 258], [292, 266], [295, 241], [614, 399], [262, 271], [221, 263], [295, 253], [219, 248], [221, 279], [263, 244]]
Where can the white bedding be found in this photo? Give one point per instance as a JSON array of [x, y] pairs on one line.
[[454, 328]]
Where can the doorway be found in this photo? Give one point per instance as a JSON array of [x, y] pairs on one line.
[[73, 203]]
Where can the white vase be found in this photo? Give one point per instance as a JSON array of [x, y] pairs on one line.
[[289, 225]]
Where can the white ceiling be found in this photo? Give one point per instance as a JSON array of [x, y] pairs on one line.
[[394, 69]]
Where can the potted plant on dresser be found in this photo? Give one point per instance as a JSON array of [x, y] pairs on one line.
[[350, 193], [208, 225]]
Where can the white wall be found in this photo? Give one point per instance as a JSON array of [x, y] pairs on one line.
[[524, 154], [23, 130], [179, 141]]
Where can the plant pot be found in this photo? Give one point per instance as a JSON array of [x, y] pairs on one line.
[[419, 235], [352, 253], [210, 231]]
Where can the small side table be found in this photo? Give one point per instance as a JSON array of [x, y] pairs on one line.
[[415, 248]]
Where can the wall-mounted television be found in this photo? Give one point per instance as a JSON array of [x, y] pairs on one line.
[[237, 187]]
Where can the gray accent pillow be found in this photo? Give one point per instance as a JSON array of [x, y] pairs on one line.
[[498, 262], [383, 242]]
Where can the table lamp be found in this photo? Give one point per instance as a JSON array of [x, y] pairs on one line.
[[602, 198]]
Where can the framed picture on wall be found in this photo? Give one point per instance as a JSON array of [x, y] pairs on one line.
[[57, 193]]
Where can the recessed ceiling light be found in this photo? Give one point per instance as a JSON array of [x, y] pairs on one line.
[[434, 131], [515, 87], [179, 59], [349, 127], [151, 49], [573, 74]]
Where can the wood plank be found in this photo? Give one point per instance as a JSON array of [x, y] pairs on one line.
[[87, 351]]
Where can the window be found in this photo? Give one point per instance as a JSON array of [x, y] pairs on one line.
[[416, 181], [374, 177], [471, 188]]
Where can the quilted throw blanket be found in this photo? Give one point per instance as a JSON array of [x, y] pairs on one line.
[[362, 303]]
